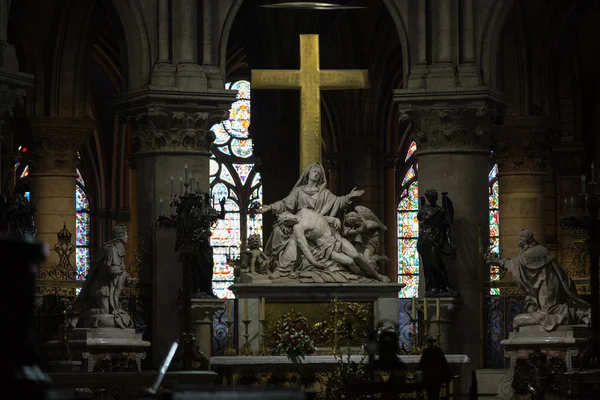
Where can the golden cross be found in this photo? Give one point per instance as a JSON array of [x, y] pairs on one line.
[[310, 80]]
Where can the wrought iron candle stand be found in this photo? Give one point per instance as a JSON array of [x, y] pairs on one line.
[[246, 348], [589, 223], [191, 216]]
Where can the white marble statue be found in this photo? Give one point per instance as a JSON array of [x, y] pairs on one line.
[[310, 192], [253, 259], [328, 256], [98, 302], [364, 230], [551, 295]]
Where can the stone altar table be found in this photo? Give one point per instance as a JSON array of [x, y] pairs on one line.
[[382, 296], [311, 375], [563, 345]]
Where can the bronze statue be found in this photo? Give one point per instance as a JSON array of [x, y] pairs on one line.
[[434, 237], [98, 302], [17, 212]]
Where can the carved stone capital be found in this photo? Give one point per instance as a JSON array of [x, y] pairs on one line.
[[56, 142], [160, 130], [569, 158], [391, 161], [523, 144], [443, 127]]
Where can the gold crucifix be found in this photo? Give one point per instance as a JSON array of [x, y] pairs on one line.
[[310, 80]]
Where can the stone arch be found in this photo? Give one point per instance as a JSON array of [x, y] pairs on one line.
[[137, 37], [494, 25], [389, 4]]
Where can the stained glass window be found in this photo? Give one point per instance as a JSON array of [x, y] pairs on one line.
[[494, 223], [82, 229], [408, 227], [232, 175]]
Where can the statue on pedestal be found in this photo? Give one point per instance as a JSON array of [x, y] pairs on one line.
[[98, 302], [551, 295], [434, 237], [310, 192]]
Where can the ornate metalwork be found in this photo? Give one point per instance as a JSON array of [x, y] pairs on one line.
[[191, 217], [499, 311], [16, 211], [539, 376], [221, 333], [579, 267]]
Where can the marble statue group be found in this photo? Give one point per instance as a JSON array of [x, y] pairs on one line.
[[311, 244]]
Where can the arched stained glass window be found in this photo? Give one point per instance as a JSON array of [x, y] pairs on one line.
[[408, 227], [494, 223], [82, 229], [232, 175]]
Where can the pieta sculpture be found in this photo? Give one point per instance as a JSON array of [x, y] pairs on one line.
[[309, 243]]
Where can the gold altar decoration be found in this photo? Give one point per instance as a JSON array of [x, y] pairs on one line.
[[333, 325], [310, 80]]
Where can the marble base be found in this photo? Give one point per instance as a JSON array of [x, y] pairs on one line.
[[97, 350], [384, 297], [564, 345]]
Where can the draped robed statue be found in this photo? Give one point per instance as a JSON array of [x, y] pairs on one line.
[[310, 193], [551, 295]]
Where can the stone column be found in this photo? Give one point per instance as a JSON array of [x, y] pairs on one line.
[[56, 142], [453, 137], [569, 163], [166, 139], [521, 149], [391, 217]]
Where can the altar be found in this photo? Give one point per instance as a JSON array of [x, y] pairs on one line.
[[311, 375]]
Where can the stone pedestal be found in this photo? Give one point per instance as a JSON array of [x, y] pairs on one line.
[[438, 328], [97, 350], [384, 298], [203, 311], [531, 345]]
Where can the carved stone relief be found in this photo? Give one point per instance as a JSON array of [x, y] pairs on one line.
[[459, 126], [523, 145], [158, 130], [57, 141]]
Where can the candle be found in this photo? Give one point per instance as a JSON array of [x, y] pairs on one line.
[[229, 306], [262, 308], [425, 309], [572, 204], [161, 206], [180, 185], [582, 184], [437, 309], [185, 173], [566, 205], [413, 309], [198, 183], [245, 309], [586, 205], [592, 176], [172, 186]]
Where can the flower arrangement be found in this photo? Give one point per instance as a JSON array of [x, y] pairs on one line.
[[291, 338]]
